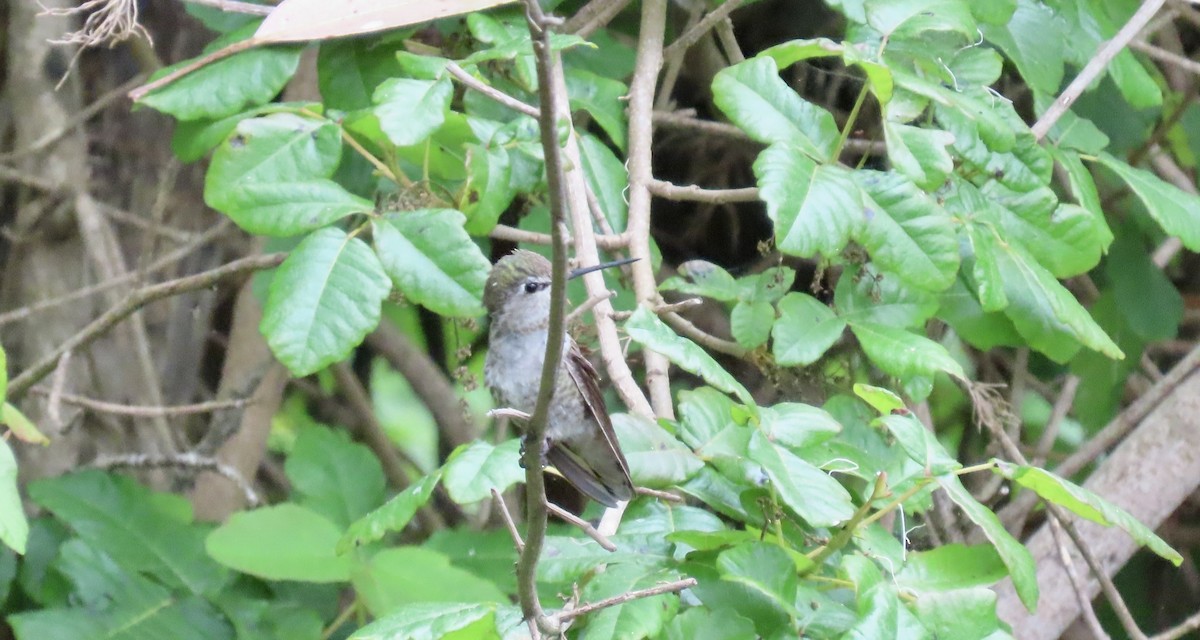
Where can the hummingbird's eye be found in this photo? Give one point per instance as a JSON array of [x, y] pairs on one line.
[[532, 287]]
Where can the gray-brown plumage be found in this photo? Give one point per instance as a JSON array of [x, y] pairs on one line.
[[580, 441]]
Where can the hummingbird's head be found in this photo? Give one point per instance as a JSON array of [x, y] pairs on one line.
[[522, 278]]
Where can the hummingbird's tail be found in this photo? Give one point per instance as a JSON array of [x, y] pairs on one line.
[[603, 480]]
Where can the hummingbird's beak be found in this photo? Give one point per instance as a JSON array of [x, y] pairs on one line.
[[575, 273]]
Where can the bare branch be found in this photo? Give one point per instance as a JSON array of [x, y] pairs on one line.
[[591, 532], [1096, 66], [669, 587], [694, 193]]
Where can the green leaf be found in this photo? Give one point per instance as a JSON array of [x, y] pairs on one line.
[[392, 516], [908, 18], [861, 296], [325, 297], [1177, 211], [793, 51], [798, 425], [975, 104], [919, 153], [907, 232], [193, 139], [566, 558], [750, 323], [20, 426], [349, 70], [880, 399], [1043, 311], [769, 286], [409, 111], [337, 478], [966, 614], [488, 190], [764, 569], [112, 602], [14, 527], [656, 459], [1033, 39], [1086, 504], [1014, 555], [433, 261], [1150, 303], [810, 492], [878, 602], [921, 444], [805, 330], [761, 104], [640, 618], [983, 330], [472, 472], [607, 177], [816, 209], [699, 623], [602, 98], [271, 176], [214, 90], [994, 12], [429, 620], [281, 542], [704, 278], [902, 353], [1083, 187], [140, 530], [949, 567], [402, 576], [645, 327]]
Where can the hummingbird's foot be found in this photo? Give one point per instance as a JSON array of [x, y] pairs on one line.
[[541, 455]]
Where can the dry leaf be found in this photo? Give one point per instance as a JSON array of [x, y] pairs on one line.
[[299, 20]]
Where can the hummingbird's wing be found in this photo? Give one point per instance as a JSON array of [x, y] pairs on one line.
[[596, 465]]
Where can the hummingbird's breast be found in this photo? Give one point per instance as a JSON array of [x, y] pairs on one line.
[[513, 371]]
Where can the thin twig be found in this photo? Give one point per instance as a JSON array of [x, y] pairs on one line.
[[390, 456], [1081, 596], [693, 35], [693, 193], [583, 525], [75, 120], [655, 493], [136, 300], [733, 51], [495, 94], [508, 521], [171, 258], [198, 63], [1162, 55], [685, 328], [143, 411], [513, 234], [593, 16], [1096, 66], [669, 587], [587, 305], [187, 460], [1180, 630]]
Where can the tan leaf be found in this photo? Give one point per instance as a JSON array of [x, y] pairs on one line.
[[298, 20]]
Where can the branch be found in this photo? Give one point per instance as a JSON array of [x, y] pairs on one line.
[[641, 137], [694, 193], [136, 300], [670, 587], [495, 94], [141, 411], [513, 234], [1096, 66], [535, 488], [184, 460], [693, 35], [583, 525]]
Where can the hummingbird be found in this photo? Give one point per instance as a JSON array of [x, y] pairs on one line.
[[580, 441]]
